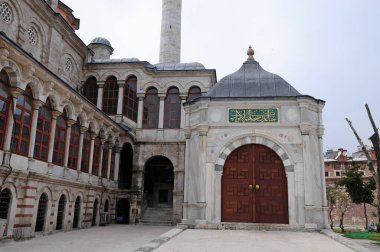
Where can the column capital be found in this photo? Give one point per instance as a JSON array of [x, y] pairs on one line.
[[121, 83], [140, 96], [37, 104], [101, 85], [118, 149], [93, 135], [183, 97], [55, 114], [82, 129], [70, 122], [162, 96], [15, 92]]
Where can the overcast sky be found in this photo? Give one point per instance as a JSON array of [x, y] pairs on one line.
[[327, 49]]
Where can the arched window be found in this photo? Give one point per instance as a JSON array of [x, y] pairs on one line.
[[194, 92], [172, 119], [95, 212], [23, 122], [90, 90], [86, 151], [151, 109], [74, 147], [4, 105], [5, 202], [61, 212], [106, 206], [41, 145], [110, 96], [76, 212], [105, 160], [41, 213], [95, 163], [112, 168], [130, 103], [60, 140]]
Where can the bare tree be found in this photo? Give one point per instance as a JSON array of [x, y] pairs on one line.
[[376, 145]]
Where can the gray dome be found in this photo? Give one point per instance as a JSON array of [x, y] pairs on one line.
[[251, 80], [100, 40]]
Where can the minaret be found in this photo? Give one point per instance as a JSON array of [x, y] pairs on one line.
[[170, 51]]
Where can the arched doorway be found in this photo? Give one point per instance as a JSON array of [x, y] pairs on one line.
[[126, 167], [254, 186], [61, 212], [122, 211], [41, 213], [5, 203], [76, 212], [158, 182], [95, 212]]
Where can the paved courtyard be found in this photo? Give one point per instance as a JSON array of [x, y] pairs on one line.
[[129, 238], [100, 239], [241, 241]]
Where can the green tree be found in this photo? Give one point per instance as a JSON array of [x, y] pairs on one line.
[[332, 194], [341, 205], [359, 191]]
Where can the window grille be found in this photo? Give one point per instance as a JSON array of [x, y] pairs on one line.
[[194, 92], [23, 123], [5, 200], [130, 103], [110, 96], [151, 109], [4, 105], [172, 118], [95, 212], [41, 213], [6, 13], [76, 213], [32, 36], [61, 212]]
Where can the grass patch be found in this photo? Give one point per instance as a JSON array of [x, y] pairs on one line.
[[364, 235]]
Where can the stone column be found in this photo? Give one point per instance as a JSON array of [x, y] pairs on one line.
[[162, 111], [90, 163], [117, 163], [100, 95], [119, 112], [9, 128], [110, 146], [68, 139], [55, 115], [202, 164], [36, 106], [140, 110], [101, 158], [82, 130], [183, 100]]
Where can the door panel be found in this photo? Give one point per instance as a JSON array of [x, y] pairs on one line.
[[272, 196], [237, 198], [254, 165]]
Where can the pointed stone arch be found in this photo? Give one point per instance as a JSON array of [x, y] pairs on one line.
[[263, 140]]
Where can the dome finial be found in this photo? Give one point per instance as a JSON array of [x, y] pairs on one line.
[[250, 53]]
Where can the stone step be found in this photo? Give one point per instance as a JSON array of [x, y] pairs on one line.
[[156, 222], [157, 216]]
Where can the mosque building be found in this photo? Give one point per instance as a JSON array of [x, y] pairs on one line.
[[86, 139]]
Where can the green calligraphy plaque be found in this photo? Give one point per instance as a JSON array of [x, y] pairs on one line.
[[253, 115]]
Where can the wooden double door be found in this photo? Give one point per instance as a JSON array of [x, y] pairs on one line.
[[254, 187]]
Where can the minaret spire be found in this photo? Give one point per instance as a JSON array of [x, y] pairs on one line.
[[170, 48]]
